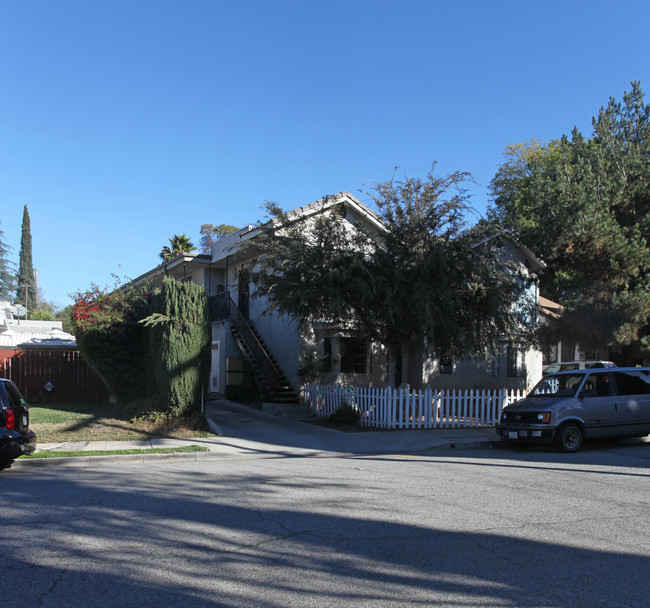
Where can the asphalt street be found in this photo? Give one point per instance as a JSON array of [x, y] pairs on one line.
[[270, 525]]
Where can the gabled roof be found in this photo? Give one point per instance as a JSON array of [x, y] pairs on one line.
[[534, 263], [228, 244], [351, 201], [225, 250]]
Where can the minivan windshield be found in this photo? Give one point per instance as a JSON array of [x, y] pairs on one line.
[[559, 385]]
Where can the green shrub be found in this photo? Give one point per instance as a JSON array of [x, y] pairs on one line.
[[110, 339], [345, 415], [156, 421]]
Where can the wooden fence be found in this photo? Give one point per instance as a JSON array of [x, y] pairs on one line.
[[52, 376], [402, 409]]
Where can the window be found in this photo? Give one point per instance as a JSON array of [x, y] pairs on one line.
[[353, 355], [632, 383], [596, 385], [549, 354], [326, 361], [446, 366], [516, 362], [568, 351], [496, 366]]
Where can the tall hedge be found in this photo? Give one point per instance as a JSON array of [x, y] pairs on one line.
[[178, 346]]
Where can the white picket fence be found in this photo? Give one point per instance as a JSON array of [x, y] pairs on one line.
[[402, 409]]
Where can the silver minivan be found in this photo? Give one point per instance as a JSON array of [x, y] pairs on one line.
[[569, 407]]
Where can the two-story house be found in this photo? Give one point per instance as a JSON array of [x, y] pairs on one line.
[[280, 352]]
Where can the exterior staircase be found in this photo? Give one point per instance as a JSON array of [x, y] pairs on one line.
[[268, 374]]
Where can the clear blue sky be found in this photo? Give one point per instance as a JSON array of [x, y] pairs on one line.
[[123, 123]]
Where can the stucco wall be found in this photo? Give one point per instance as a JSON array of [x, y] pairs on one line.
[[468, 374], [280, 334]]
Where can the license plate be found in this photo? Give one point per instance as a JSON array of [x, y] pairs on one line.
[[513, 435]]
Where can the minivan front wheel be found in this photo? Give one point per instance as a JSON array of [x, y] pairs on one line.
[[569, 437]]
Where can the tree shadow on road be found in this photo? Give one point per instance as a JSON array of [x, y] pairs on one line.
[[282, 540]]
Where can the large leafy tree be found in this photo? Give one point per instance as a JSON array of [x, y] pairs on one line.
[[179, 243], [583, 204], [26, 289], [7, 272], [414, 280], [210, 234]]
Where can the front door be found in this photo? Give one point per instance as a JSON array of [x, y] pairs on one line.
[[243, 295], [214, 369]]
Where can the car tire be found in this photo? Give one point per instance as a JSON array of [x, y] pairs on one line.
[[5, 464], [569, 437]]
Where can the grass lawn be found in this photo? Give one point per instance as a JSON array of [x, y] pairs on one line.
[[56, 423]]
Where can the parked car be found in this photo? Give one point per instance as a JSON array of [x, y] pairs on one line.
[[16, 439], [568, 407], [566, 366]]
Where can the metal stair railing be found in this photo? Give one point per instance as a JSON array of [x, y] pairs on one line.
[[219, 306], [269, 370]]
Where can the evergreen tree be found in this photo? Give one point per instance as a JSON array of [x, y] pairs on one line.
[[26, 288], [178, 341], [7, 272], [583, 205]]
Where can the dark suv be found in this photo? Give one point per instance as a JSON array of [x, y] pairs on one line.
[[15, 437]]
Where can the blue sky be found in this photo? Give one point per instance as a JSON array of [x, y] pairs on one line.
[[123, 123]]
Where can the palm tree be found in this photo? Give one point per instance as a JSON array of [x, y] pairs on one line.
[[179, 244]]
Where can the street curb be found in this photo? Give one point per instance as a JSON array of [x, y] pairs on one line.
[[81, 461], [465, 445], [116, 459], [214, 426]]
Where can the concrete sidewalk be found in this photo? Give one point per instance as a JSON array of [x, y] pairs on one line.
[[278, 430], [291, 428]]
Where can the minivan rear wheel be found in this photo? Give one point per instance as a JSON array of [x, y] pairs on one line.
[[569, 437]]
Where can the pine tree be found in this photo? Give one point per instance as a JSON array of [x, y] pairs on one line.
[[7, 272], [583, 205], [26, 290]]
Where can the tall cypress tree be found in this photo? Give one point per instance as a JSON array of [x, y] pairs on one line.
[[26, 291], [179, 346], [7, 272]]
